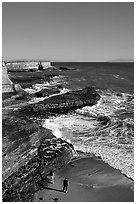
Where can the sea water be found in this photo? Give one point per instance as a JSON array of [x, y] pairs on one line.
[[86, 128]]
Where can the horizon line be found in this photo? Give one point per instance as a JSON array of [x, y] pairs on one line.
[[46, 60]]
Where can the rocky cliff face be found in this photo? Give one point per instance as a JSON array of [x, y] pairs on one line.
[[48, 154], [30, 151], [6, 82]]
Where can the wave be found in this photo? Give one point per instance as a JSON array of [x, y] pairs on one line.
[[55, 130], [36, 100], [110, 104], [56, 81], [102, 130]]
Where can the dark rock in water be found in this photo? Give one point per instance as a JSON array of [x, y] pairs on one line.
[[60, 87], [22, 96], [63, 103], [46, 92], [64, 68], [28, 79]]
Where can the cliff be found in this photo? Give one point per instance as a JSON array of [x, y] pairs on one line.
[[30, 151], [6, 82], [27, 161]]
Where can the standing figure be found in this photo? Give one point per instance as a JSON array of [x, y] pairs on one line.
[[40, 67], [65, 185], [52, 176]]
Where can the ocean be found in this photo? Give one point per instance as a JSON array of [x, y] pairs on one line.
[[85, 128]]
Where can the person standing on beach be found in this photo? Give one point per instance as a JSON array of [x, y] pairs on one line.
[[52, 176], [65, 185]]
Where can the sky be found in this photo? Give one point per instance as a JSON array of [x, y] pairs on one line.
[[68, 31]]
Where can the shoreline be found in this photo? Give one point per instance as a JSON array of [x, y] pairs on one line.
[[55, 130], [24, 123], [91, 180]]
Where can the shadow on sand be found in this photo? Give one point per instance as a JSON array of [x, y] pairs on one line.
[[53, 189]]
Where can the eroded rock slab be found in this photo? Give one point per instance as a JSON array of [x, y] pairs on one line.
[[47, 92], [63, 103]]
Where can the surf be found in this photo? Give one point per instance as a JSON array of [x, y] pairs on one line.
[[101, 130]]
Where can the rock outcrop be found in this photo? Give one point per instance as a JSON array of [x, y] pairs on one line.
[[46, 154], [30, 151], [65, 68], [63, 103], [47, 92], [7, 85]]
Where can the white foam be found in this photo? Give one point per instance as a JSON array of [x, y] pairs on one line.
[[36, 100], [52, 126], [38, 87], [114, 144], [64, 90], [107, 105], [116, 76]]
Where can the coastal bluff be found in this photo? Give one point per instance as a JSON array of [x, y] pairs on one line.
[[7, 84], [30, 151], [42, 153]]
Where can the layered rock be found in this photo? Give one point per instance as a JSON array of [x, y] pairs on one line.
[[47, 153], [46, 92], [63, 103], [7, 84], [30, 151]]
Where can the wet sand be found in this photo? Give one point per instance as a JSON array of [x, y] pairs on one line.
[[91, 180]]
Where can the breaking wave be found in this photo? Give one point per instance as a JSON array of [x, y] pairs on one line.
[[56, 81], [106, 129]]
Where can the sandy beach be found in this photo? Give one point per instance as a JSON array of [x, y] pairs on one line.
[[90, 180]]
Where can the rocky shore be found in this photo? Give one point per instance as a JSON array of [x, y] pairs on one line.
[[30, 151], [63, 103], [51, 154]]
